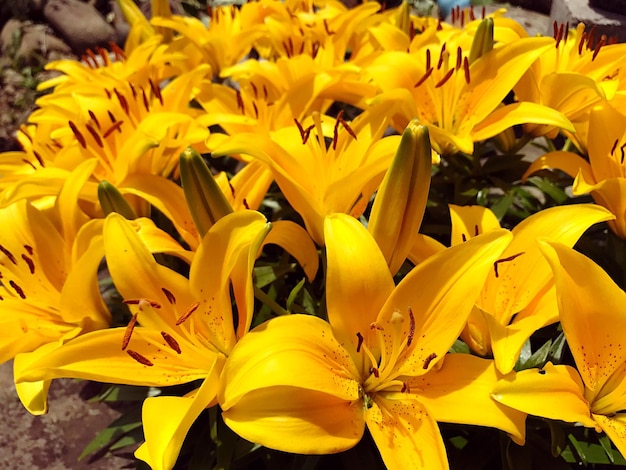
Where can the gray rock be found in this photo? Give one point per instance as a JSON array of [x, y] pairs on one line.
[[79, 24], [577, 11]]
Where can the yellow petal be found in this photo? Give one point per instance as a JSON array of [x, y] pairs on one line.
[[166, 421], [99, 356], [224, 261], [580, 283], [554, 392], [519, 113], [290, 377], [614, 427], [609, 193], [34, 396], [405, 433], [470, 221], [460, 392], [440, 293], [297, 242], [358, 281], [568, 162], [423, 248], [520, 279], [606, 125]]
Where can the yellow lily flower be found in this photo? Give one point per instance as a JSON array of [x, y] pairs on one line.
[[181, 330], [340, 178], [577, 73], [382, 367], [458, 100], [594, 333], [49, 290], [518, 296], [604, 175]]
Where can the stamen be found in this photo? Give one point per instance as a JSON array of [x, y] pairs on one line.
[[476, 232], [111, 116], [95, 135], [254, 89], [411, 327], [170, 297], [463, 237], [29, 249], [614, 146], [80, 137], [17, 289], [326, 28], [256, 111], [119, 53], [466, 69], [39, 159], [192, 308], [139, 358], [445, 78], [428, 360], [483, 12], [156, 90], [30, 263], [129, 331], [239, 101], [601, 43], [374, 370], [8, 254], [113, 128], [427, 59], [169, 339], [152, 303], [424, 78], [441, 54], [405, 388], [555, 29], [360, 343], [504, 260], [459, 58], [94, 118], [144, 97], [122, 100], [265, 94], [245, 203], [345, 125], [29, 163], [621, 149]]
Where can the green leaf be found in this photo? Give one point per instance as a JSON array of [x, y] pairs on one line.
[[459, 347], [265, 275], [117, 430], [294, 293]]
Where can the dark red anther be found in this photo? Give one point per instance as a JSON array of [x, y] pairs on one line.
[[621, 149], [156, 91], [95, 135], [428, 360], [254, 90], [614, 146], [29, 262], [360, 342], [471, 13], [8, 254], [466, 69], [476, 232], [139, 358], [80, 137], [239, 101], [424, 78], [327, 28], [144, 98], [445, 78], [170, 297], [463, 237], [29, 163], [94, 118], [441, 53], [169, 339], [152, 303], [555, 29], [192, 308], [17, 289], [504, 260], [265, 93], [129, 331], [601, 43], [256, 110], [591, 37], [374, 370], [245, 203], [483, 12], [117, 51], [38, 157], [427, 59], [411, 327], [29, 249], [113, 128]]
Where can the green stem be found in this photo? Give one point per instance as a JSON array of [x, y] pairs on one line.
[[271, 303]]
